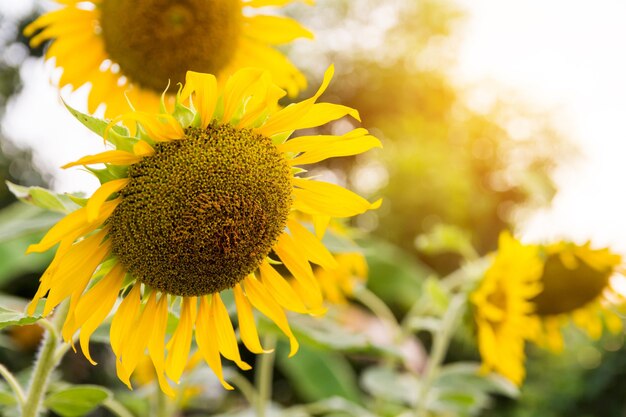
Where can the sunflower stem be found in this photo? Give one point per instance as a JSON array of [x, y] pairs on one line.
[[263, 378], [116, 408], [46, 362], [379, 308], [161, 404], [246, 388], [441, 343], [15, 386]]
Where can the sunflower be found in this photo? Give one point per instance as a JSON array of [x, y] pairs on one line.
[[135, 48], [195, 204], [577, 288], [502, 308]]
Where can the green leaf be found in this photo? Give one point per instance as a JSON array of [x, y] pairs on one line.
[[394, 276], [338, 404], [437, 294], [318, 375], [7, 399], [76, 401], [18, 220], [466, 374], [394, 386], [15, 318], [43, 198], [443, 238], [324, 332], [430, 324]]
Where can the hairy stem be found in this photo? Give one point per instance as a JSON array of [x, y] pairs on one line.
[[46, 362]]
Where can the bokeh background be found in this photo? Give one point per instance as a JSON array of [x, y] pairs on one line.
[[493, 115]]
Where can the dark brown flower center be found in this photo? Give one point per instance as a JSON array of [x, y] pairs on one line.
[[201, 213], [156, 41]]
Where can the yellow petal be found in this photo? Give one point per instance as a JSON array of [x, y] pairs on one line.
[[280, 289], [264, 3], [310, 245], [316, 197], [226, 339], [204, 87], [134, 349], [300, 268], [262, 301], [124, 319], [142, 148], [181, 340], [96, 304], [159, 127], [99, 197], [247, 326], [288, 118], [274, 30], [207, 341], [75, 222], [107, 157], [319, 148], [156, 345], [78, 267], [239, 87]]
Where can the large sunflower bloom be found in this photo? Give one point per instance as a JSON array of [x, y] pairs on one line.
[[137, 47], [198, 202], [502, 308], [577, 289]]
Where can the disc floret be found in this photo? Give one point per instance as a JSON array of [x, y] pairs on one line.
[[200, 214]]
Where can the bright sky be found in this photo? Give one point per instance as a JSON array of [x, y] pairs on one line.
[[566, 56]]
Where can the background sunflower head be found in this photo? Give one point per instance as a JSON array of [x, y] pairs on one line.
[[139, 48], [577, 289]]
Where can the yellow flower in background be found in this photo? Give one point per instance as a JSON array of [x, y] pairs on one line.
[[136, 47], [576, 289], [195, 204], [339, 282], [502, 308]]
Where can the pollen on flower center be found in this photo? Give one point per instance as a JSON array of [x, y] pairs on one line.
[[201, 213], [156, 41]]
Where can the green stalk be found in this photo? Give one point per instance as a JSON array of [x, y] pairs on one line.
[[264, 376], [441, 343], [15, 386], [46, 362]]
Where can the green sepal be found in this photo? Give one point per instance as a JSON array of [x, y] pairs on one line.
[[118, 171], [258, 122], [281, 138], [218, 113], [81, 201], [43, 198], [185, 116], [103, 175], [117, 135]]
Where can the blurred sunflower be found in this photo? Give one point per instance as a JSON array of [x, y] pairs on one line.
[[339, 282], [502, 308], [137, 47], [577, 289], [197, 202]]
